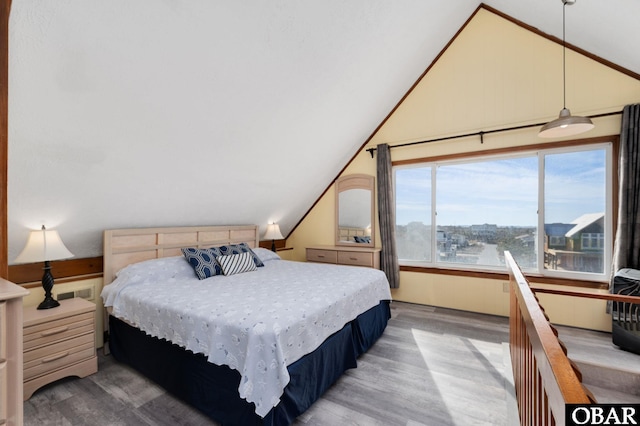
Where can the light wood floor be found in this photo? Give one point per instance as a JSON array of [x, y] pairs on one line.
[[432, 366]]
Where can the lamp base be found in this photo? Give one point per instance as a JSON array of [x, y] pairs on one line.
[[47, 284], [48, 303]]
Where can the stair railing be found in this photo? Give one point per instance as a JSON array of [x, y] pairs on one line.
[[545, 378]]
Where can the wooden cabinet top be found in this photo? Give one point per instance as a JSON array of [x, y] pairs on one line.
[[9, 290], [68, 307]]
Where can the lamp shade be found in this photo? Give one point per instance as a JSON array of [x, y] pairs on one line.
[[273, 232], [566, 125], [43, 245]]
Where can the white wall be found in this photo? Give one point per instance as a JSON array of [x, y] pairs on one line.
[[140, 113]]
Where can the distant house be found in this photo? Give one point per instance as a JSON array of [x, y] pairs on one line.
[[459, 240], [555, 235], [576, 246], [446, 250], [587, 233], [485, 232]]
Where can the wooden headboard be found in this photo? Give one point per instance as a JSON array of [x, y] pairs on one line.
[[125, 246]]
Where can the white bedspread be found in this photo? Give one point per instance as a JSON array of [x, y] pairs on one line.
[[256, 322]]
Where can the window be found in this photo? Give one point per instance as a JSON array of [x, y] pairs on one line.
[[549, 208], [414, 212], [592, 241]]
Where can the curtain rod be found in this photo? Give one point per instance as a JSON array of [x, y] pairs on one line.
[[481, 133]]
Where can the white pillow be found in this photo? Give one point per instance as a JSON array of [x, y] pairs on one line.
[[265, 255], [163, 270], [164, 267], [237, 263]]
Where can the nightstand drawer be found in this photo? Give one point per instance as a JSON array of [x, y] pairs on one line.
[[355, 258], [58, 355], [61, 329], [326, 256]]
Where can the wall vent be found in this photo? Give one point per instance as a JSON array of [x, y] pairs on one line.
[[69, 291]]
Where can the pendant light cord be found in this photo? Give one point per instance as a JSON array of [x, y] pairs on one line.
[[564, 58]]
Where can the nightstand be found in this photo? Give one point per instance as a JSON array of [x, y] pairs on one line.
[[345, 255], [58, 342]]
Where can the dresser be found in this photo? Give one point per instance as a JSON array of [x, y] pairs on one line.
[[58, 342], [11, 352], [345, 255]]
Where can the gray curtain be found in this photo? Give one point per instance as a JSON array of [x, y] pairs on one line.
[[626, 252], [387, 217]]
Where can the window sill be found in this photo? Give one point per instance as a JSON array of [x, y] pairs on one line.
[[505, 276]]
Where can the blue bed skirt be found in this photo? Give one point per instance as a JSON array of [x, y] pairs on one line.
[[214, 389]]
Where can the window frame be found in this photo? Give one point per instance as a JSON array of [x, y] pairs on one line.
[[594, 280]]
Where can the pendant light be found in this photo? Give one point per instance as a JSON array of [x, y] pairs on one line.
[[566, 124]]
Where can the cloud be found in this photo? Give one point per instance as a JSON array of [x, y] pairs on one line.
[[504, 191]]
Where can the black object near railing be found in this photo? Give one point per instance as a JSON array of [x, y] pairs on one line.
[[625, 316]]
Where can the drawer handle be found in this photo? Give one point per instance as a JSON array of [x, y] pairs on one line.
[[54, 331], [321, 256], [353, 258], [55, 357]]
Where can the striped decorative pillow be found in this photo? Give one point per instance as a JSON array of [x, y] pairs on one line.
[[236, 263], [235, 249]]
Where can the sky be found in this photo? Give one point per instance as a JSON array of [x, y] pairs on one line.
[[504, 191]]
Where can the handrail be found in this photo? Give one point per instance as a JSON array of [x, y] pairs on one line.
[[602, 296], [545, 379]]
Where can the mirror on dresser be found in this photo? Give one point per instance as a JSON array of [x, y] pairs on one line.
[[355, 211]]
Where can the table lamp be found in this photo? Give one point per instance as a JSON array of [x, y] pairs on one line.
[[273, 234], [44, 245]]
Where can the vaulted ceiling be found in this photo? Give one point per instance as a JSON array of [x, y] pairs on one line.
[[182, 112]]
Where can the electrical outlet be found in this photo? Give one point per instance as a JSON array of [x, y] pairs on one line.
[[505, 287]]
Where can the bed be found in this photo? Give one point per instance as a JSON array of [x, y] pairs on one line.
[[256, 347]]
